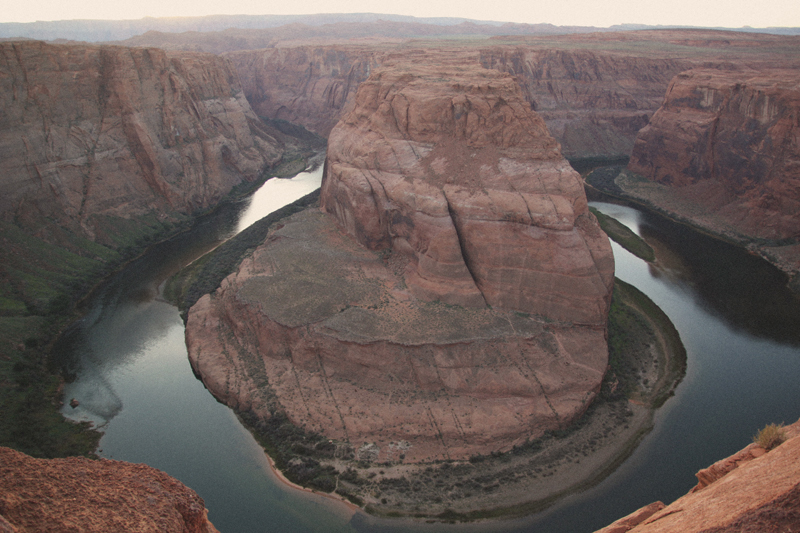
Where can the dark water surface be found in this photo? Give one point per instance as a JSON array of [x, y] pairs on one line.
[[740, 326]]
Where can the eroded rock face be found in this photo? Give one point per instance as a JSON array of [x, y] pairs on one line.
[[593, 102], [94, 496], [454, 303], [95, 131], [730, 140], [455, 173], [753, 490]]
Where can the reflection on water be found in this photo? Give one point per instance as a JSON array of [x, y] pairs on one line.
[[737, 322]]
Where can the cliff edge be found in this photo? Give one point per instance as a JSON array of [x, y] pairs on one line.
[[753, 490], [723, 150], [94, 496]]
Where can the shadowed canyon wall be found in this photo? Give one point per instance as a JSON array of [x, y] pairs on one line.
[[730, 141]]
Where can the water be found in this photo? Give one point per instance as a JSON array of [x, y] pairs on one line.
[[737, 321]]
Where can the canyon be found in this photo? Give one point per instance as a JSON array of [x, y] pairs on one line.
[[399, 322], [723, 152], [103, 145]]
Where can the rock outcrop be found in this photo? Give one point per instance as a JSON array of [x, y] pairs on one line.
[[729, 141], [753, 490], [92, 132], [455, 302], [78, 494], [456, 175]]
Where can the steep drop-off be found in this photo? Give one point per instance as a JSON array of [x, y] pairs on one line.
[[593, 91], [102, 150], [726, 146], [92, 132], [77, 494], [461, 310], [752, 490]]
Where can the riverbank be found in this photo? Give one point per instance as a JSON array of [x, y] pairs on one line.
[[645, 353], [618, 182]]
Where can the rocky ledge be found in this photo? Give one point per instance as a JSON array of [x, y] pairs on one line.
[[453, 303], [753, 490], [94, 496]]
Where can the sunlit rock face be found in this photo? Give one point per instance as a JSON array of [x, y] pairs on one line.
[[76, 493], [453, 171], [449, 299]]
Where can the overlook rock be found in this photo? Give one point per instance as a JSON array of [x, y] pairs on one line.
[[453, 304], [78, 494]]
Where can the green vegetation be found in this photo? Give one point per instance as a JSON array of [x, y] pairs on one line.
[[204, 275], [640, 333], [45, 272], [623, 236], [770, 436]]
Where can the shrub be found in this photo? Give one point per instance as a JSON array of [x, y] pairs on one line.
[[771, 436]]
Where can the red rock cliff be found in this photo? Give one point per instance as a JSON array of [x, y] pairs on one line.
[[593, 102], [753, 490], [77, 494], [93, 131], [730, 141]]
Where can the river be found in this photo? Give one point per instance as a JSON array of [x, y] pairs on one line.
[[133, 380]]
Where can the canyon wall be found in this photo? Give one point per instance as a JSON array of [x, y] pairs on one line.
[[91, 132], [452, 303], [78, 494], [729, 141], [592, 102]]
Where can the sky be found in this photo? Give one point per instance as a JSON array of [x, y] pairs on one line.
[[601, 13]]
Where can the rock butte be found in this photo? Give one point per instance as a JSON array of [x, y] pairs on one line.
[[752, 490], [453, 303], [78, 494]]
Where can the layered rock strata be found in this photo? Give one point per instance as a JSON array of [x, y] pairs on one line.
[[753, 490], [453, 304], [77, 494], [88, 132], [729, 142]]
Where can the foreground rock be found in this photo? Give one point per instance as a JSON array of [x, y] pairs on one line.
[[725, 147], [753, 490], [462, 311], [78, 494]]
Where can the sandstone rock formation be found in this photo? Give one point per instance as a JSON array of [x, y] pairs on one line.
[[456, 175], [729, 140], [752, 490], [462, 310], [89, 133], [78, 494]]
